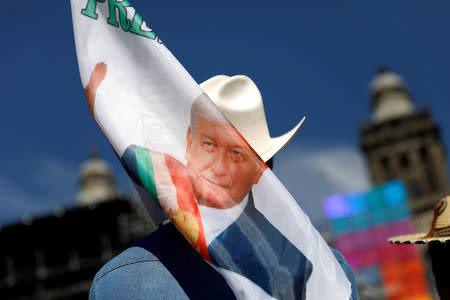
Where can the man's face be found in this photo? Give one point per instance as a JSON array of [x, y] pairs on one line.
[[221, 169]]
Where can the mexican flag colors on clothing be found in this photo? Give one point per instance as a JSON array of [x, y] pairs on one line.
[[188, 163]]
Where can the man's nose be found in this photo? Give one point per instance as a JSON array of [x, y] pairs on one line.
[[220, 165]]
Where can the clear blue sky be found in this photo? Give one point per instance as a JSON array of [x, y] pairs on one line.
[[307, 59]]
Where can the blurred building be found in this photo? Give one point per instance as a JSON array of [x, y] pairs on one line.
[[407, 164], [404, 143], [57, 255]]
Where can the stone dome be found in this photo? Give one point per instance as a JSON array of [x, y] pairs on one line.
[[386, 80], [95, 166], [389, 95], [96, 181]]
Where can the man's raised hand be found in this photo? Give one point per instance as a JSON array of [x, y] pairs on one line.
[[97, 77]]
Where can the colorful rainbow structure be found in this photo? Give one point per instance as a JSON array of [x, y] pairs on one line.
[[361, 223]]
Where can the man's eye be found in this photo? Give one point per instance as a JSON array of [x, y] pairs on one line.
[[236, 155], [235, 152], [208, 146]]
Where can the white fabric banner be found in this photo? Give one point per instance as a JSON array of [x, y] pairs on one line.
[[142, 99]]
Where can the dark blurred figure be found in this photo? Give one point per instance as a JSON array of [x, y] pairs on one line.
[[440, 261]]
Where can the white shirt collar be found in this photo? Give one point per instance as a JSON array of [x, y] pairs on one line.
[[217, 220]]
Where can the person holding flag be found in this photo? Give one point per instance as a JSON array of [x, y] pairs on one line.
[[253, 238]]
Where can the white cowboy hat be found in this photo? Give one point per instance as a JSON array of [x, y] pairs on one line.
[[439, 231], [239, 99]]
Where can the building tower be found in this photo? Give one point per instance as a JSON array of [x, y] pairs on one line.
[[402, 142], [96, 181]]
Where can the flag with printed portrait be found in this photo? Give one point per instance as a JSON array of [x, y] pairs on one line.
[[189, 164]]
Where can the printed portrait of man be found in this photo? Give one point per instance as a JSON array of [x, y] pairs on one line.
[[221, 168], [215, 183]]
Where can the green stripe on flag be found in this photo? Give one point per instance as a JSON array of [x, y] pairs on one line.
[[146, 172]]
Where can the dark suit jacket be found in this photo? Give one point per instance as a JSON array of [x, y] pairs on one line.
[[254, 248]]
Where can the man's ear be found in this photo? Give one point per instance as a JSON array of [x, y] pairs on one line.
[[260, 168], [189, 139]]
